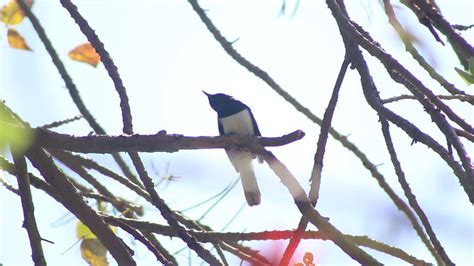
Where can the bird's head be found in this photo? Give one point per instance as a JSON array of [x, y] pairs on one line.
[[220, 102]]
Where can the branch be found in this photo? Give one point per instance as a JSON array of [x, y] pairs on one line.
[[34, 180], [128, 129], [464, 50], [160, 142], [28, 210], [72, 89], [464, 98], [206, 236], [243, 252], [400, 74], [408, 42], [70, 199], [371, 93], [166, 212], [106, 60], [371, 167], [304, 205], [63, 155], [316, 172], [140, 237], [356, 34], [411, 197], [464, 134]]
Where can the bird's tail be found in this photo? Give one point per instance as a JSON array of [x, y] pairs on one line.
[[249, 183]]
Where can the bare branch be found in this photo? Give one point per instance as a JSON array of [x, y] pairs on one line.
[[411, 197], [355, 33], [371, 167], [140, 237], [72, 89], [28, 210], [315, 178], [392, 18], [464, 98], [304, 205], [160, 142], [70, 198], [166, 212], [211, 236], [108, 63], [460, 45]]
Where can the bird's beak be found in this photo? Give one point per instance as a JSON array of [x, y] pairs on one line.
[[207, 94]]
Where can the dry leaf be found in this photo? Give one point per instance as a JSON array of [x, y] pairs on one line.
[[16, 41], [94, 253], [11, 14], [85, 53]]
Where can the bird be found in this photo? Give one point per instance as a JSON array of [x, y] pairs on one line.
[[234, 117]]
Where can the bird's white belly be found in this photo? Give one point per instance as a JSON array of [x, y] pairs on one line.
[[239, 123]]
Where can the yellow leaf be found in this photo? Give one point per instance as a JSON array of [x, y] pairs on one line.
[[93, 252], [16, 41], [83, 232], [11, 14], [85, 53]]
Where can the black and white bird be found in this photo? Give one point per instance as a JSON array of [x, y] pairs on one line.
[[234, 117]]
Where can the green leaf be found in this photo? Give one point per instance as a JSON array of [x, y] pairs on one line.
[[466, 76], [17, 137], [471, 65]]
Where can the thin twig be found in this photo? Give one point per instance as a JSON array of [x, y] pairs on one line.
[[140, 237], [304, 205], [211, 236], [28, 210], [91, 164], [464, 134], [70, 199], [425, 96], [392, 18], [34, 180], [62, 122], [357, 34], [318, 162], [371, 167], [166, 212], [464, 98], [372, 95], [106, 60], [72, 89], [464, 50], [243, 252], [409, 194]]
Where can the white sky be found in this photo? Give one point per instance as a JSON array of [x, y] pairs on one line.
[[166, 57]]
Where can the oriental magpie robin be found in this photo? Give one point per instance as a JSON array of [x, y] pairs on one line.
[[234, 117]]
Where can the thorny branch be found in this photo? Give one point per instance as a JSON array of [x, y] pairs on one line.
[[71, 194], [429, 101], [71, 87], [209, 236], [28, 210], [160, 142], [316, 172]]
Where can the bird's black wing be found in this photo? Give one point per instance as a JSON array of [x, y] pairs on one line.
[[221, 128], [254, 123], [256, 132]]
